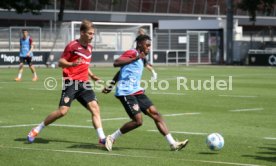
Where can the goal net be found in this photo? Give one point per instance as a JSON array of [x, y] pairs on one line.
[[110, 40]]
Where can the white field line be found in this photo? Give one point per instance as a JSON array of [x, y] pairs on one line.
[[44, 89], [247, 109], [124, 118], [109, 119], [21, 125], [270, 138], [73, 126], [180, 114], [167, 93], [37, 89], [79, 126], [58, 125], [153, 93], [14, 82], [238, 96], [124, 155], [182, 132]]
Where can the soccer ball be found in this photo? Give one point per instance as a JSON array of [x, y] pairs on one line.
[[215, 141]]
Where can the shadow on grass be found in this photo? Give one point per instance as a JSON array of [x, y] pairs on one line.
[[209, 153], [267, 154], [76, 145], [37, 140], [138, 148], [86, 146], [82, 145], [114, 148], [45, 141]]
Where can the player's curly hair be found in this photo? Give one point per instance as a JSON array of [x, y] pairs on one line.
[[142, 38]]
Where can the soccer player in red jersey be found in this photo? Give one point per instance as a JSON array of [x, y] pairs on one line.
[[75, 62]]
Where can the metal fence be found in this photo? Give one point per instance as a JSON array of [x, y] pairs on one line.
[[210, 7], [180, 46]]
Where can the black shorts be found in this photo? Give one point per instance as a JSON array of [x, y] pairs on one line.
[[27, 60], [134, 104], [73, 89]]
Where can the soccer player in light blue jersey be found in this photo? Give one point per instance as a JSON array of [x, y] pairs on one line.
[[25, 55], [132, 95], [142, 31]]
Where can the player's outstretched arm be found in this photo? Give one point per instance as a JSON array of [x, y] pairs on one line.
[[154, 74], [64, 63], [109, 88], [121, 61]]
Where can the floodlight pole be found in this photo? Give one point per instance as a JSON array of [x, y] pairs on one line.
[[55, 15], [229, 32], [10, 38]]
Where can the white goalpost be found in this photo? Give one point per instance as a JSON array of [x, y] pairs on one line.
[[110, 40], [113, 37]]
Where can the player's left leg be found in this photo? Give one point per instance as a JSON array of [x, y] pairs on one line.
[[88, 99], [158, 120], [20, 70], [149, 109], [94, 109], [31, 66]]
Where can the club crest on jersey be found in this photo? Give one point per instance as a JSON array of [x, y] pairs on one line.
[[66, 99], [135, 107]]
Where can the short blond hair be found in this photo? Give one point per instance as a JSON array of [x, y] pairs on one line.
[[142, 31], [86, 25]]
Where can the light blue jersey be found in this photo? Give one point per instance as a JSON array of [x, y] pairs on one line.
[[25, 46], [130, 76]]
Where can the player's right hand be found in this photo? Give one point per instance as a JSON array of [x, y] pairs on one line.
[[107, 89], [78, 62], [154, 76]]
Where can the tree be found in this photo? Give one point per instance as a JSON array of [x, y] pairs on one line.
[[252, 6], [24, 6]]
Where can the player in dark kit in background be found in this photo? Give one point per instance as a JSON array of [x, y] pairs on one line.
[[26, 54], [132, 96], [75, 62]]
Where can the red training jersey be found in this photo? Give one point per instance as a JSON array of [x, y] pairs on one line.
[[72, 53]]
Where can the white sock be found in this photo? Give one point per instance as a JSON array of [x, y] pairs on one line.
[[19, 75], [170, 139], [116, 134], [40, 127], [35, 74], [100, 133]]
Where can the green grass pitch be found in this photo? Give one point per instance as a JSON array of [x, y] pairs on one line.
[[245, 116]]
